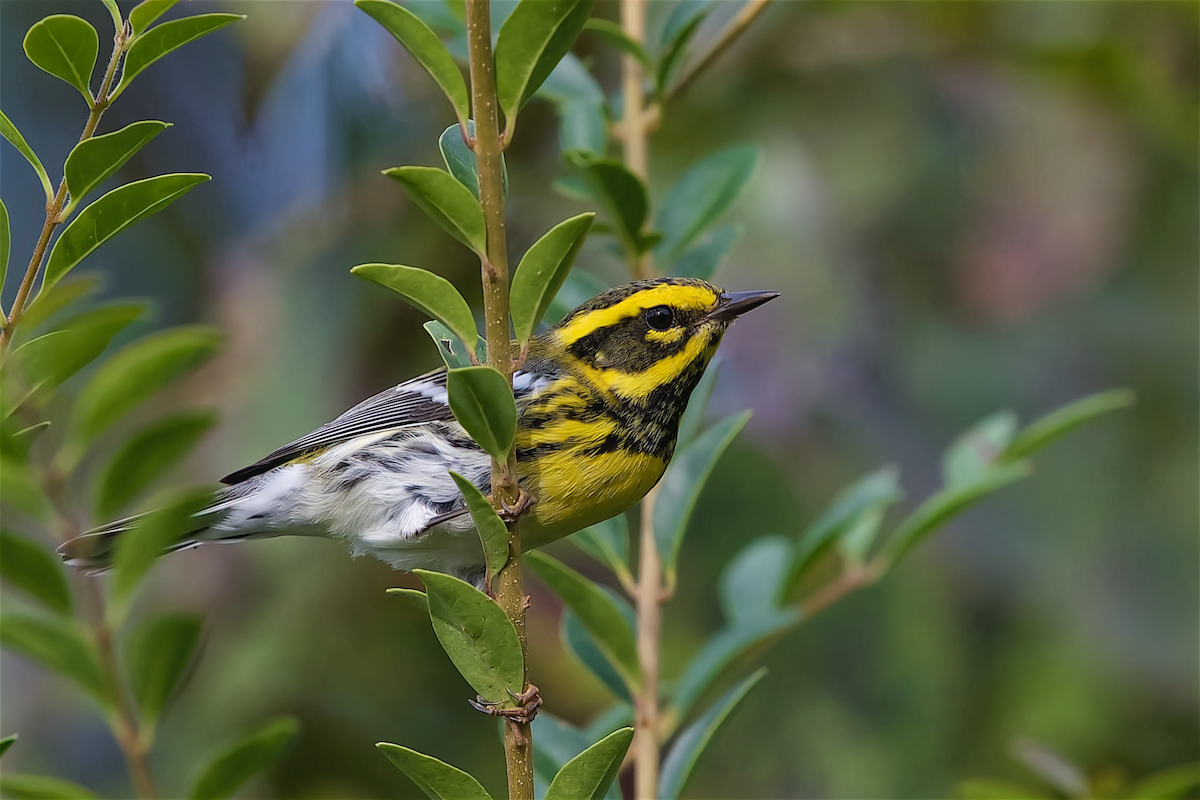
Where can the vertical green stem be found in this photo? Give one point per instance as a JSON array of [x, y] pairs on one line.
[[518, 739]]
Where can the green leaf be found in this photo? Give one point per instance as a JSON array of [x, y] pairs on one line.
[[111, 214], [159, 654], [478, 637], [29, 567], [493, 534], [113, 12], [6, 743], [589, 774], [555, 742], [5, 242], [429, 293], [50, 301], [686, 751], [10, 132], [542, 271], [482, 402], [947, 503], [55, 643], [137, 371], [437, 779], [19, 490], [577, 289], [674, 54], [751, 583], [1062, 421], [146, 456], [451, 348], [620, 193], [42, 787], [65, 46], [700, 197], [93, 160], [973, 454], [598, 612], [156, 42], [425, 47], [531, 42], [414, 596], [145, 13], [584, 647], [446, 201], [19, 443], [243, 761], [683, 482], [582, 126], [987, 789], [612, 35], [54, 357], [138, 548], [1169, 784], [877, 489], [703, 260], [607, 542]]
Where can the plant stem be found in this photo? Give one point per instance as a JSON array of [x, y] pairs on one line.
[[633, 115], [518, 739], [54, 209]]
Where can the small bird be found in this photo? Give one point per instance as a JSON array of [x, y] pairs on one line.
[[599, 399]]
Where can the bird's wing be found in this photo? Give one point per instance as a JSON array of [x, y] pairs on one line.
[[415, 402]]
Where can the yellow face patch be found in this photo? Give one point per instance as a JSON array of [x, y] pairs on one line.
[[639, 385], [669, 336], [684, 298]]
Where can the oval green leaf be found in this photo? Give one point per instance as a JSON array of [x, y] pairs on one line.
[[138, 548], [93, 160], [55, 643], [482, 402], [20, 490], [683, 482], [7, 742], [977, 449], [425, 46], [42, 787], [414, 596], [146, 456], [686, 751], [50, 301], [493, 534], [145, 13], [620, 193], [244, 760], [750, 584], [703, 260], [478, 637], [437, 779], [65, 46], [158, 654], [614, 36], [156, 42], [451, 348], [678, 35], [137, 371], [536, 35], [447, 202], [431, 294], [111, 214], [542, 271], [699, 198], [460, 160], [1060, 422], [600, 615], [588, 775], [10, 132], [29, 567], [54, 357]]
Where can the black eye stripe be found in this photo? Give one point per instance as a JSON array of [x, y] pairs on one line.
[[660, 318]]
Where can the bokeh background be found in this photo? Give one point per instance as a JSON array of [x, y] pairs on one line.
[[967, 207]]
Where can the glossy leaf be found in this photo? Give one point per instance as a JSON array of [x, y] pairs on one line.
[[7, 742], [65, 46], [136, 372], [703, 260], [584, 647], [598, 612], [451, 348], [613, 35], [429, 293], [446, 201], [589, 775], [948, 503], [55, 643], [5, 242], [54, 357], [683, 482], [158, 654], [232, 768], [493, 534], [461, 162], [482, 403], [607, 542], [536, 35], [577, 289], [555, 742], [148, 455], [29, 567], [93, 160], [162, 39], [700, 197], [478, 637], [138, 548], [750, 585], [437, 779], [414, 596], [10, 132], [425, 46], [542, 271], [50, 301], [111, 214], [688, 747], [1060, 422], [42, 787], [621, 194], [145, 13]]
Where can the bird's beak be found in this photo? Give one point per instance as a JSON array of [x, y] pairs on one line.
[[732, 305]]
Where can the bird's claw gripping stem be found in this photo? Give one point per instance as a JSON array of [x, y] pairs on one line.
[[525, 501], [529, 701]]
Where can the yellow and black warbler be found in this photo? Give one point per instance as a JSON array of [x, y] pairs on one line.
[[599, 400]]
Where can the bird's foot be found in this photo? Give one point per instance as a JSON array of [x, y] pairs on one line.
[[529, 701], [525, 501]]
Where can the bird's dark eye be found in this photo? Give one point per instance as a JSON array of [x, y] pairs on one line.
[[660, 318]]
